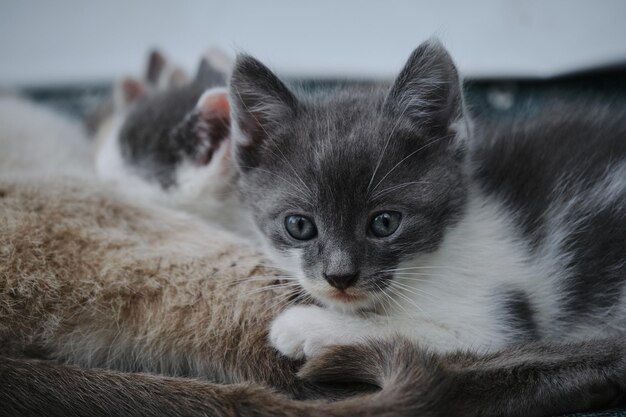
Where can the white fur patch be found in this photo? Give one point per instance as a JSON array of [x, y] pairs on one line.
[[446, 300], [456, 285], [302, 331]]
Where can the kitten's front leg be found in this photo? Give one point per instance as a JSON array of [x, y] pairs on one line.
[[302, 331]]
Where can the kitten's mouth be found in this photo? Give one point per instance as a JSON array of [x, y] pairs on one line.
[[346, 297]]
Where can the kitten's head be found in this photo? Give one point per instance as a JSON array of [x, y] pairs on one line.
[[344, 187], [166, 127], [168, 140]]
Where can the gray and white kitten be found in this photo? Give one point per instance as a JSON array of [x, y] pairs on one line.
[[397, 218], [166, 140], [384, 203]]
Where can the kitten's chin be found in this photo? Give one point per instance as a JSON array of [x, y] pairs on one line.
[[345, 296], [345, 300]]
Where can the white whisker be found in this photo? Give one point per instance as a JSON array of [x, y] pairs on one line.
[[256, 278], [399, 293], [271, 287], [395, 292], [416, 291], [441, 267], [420, 274], [268, 136], [406, 184], [382, 154], [280, 177], [407, 157]]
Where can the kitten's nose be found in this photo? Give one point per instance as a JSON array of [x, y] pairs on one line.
[[342, 281]]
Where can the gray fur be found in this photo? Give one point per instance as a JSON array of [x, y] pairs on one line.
[[533, 380]]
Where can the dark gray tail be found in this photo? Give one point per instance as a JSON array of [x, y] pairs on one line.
[[29, 387], [535, 380]]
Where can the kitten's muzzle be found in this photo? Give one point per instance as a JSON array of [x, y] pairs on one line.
[[342, 281]]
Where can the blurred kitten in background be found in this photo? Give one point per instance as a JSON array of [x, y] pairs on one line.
[[166, 139]]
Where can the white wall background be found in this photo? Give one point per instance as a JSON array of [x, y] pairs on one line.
[[61, 41]]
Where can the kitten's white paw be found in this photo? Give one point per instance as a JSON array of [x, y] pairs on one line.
[[302, 331]]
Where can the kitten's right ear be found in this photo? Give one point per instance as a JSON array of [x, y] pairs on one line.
[[259, 101], [428, 89]]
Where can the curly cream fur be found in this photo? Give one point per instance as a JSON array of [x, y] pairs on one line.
[[93, 280]]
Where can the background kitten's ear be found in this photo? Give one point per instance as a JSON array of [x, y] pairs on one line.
[[214, 108], [154, 67], [177, 78], [209, 73], [206, 129], [161, 75], [127, 91], [259, 101], [220, 60], [428, 89]]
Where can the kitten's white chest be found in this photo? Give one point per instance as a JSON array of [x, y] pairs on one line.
[[459, 285]]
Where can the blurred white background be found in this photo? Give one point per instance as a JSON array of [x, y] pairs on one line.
[[69, 41]]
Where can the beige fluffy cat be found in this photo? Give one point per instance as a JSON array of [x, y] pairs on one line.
[[89, 277]]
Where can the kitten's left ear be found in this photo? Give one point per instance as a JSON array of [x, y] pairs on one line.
[[428, 89]]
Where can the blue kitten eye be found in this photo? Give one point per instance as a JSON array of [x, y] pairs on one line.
[[385, 224], [300, 227]]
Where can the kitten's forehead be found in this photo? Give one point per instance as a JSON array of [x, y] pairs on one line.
[[347, 113], [338, 155], [342, 140], [166, 107]]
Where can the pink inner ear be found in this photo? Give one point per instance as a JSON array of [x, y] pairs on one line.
[[132, 89], [212, 124], [215, 106]]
